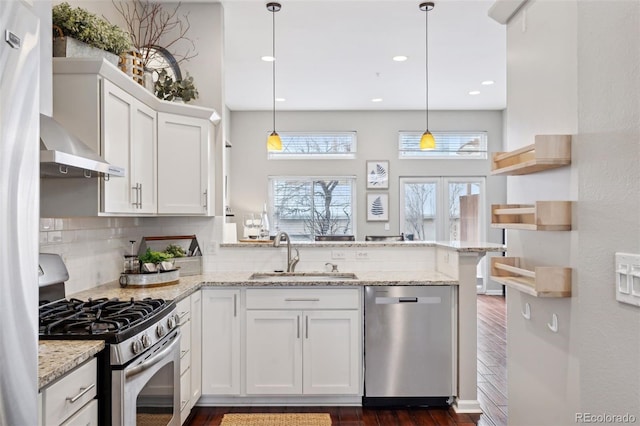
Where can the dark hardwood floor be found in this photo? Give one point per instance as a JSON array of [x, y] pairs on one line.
[[492, 388]]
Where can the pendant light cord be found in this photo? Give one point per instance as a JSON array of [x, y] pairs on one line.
[[426, 55], [273, 50]]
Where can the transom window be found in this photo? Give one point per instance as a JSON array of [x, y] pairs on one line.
[[449, 145], [316, 145], [305, 207]]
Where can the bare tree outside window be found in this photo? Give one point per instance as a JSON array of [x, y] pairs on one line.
[[306, 208], [420, 204]]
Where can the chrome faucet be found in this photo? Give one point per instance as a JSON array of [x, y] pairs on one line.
[[291, 261]]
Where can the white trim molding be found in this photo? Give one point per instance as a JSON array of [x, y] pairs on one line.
[[503, 10]]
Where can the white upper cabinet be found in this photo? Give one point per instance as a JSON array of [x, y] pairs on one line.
[[129, 138], [165, 147], [183, 170]]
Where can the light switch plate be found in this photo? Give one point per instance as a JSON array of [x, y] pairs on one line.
[[627, 269]]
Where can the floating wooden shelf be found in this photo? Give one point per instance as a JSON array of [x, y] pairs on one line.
[[548, 152], [543, 281], [541, 216]]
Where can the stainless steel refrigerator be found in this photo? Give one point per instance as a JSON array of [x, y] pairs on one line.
[[19, 214]]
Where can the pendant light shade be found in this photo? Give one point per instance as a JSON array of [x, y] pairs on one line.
[[274, 143], [427, 141]]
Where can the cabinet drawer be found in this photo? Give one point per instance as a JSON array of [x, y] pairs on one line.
[[297, 298], [184, 310], [70, 393], [87, 416]]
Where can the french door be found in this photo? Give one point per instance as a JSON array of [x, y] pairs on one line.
[[444, 209]]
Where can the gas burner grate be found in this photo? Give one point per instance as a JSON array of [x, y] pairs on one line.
[[95, 316]]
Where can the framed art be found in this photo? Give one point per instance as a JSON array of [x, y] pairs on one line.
[[377, 206], [377, 174]]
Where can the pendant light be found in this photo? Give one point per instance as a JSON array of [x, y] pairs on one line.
[[427, 141], [273, 142]]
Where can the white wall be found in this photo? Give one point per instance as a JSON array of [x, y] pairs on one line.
[[608, 149], [573, 69], [377, 133]]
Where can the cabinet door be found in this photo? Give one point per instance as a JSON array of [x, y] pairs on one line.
[[220, 342], [183, 152], [117, 127], [331, 352], [143, 152], [196, 346], [274, 353]]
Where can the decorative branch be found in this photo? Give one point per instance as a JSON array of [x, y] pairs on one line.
[[149, 25]]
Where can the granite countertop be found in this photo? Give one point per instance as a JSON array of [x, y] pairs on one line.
[[188, 285], [58, 357], [459, 246]]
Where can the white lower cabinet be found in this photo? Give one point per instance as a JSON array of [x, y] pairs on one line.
[[71, 399], [190, 314], [221, 356], [315, 350]]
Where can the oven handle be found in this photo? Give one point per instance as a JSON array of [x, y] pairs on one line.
[[152, 361]]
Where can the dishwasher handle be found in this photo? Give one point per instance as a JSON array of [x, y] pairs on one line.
[[429, 300]]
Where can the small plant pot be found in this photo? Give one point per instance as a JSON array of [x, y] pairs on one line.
[[69, 47]]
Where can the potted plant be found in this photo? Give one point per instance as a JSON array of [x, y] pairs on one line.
[[78, 30], [169, 90]]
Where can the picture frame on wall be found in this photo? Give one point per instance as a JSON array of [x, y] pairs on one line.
[[377, 206], [378, 174]]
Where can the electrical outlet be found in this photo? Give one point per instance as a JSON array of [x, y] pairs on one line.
[[386, 226], [338, 254], [627, 282], [362, 254]]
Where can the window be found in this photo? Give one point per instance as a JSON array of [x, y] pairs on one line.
[[430, 208], [316, 145], [305, 207], [449, 145]]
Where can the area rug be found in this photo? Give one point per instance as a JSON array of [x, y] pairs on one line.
[[276, 419]]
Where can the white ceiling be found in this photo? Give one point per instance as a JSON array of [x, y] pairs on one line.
[[337, 55]]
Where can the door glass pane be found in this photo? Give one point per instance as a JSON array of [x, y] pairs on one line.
[[420, 210], [464, 211]]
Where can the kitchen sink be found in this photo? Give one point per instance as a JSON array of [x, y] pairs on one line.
[[303, 276]]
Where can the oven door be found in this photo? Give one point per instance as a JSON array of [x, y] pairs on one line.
[[147, 391]]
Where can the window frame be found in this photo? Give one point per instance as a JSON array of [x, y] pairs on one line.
[[276, 155], [352, 179], [480, 154]]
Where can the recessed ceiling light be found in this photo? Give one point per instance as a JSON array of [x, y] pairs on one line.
[[474, 92], [487, 82], [268, 58], [376, 100], [400, 58], [280, 99]]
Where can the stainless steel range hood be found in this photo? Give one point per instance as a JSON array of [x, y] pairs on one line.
[[63, 155]]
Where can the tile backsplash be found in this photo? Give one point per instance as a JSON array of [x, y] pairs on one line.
[[93, 247]]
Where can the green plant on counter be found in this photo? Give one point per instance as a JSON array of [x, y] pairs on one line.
[[85, 26], [154, 257], [175, 250], [167, 89]]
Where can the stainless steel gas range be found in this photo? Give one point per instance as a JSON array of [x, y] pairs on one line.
[[139, 371]]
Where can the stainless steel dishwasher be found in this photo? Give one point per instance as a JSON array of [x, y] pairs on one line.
[[408, 345]]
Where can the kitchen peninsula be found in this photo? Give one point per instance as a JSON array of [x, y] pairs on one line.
[[373, 263]]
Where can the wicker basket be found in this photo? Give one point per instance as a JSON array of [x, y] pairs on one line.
[[131, 64]]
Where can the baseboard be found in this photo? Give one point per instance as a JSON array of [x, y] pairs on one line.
[[466, 406], [265, 401], [493, 292]]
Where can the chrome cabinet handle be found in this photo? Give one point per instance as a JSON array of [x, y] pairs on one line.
[[82, 392], [298, 326], [205, 205], [183, 403], [140, 192], [135, 188], [235, 305], [308, 299], [183, 353], [182, 314], [306, 326]]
